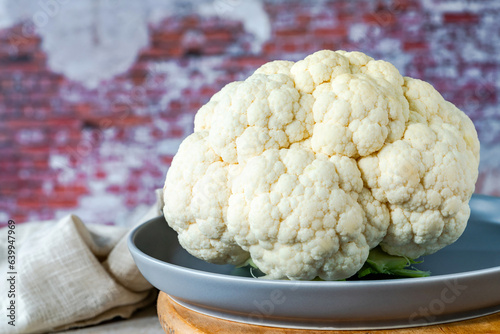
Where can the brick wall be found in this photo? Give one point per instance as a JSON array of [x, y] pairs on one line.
[[100, 151]]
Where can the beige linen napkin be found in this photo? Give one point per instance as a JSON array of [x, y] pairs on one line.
[[70, 274]]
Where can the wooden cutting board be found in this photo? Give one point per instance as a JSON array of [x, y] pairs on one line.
[[176, 319]]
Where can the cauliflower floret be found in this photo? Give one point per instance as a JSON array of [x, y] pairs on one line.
[[276, 67], [295, 216], [428, 176], [260, 113], [355, 115], [199, 204], [306, 166]]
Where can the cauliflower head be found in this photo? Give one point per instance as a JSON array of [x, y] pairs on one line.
[[306, 166]]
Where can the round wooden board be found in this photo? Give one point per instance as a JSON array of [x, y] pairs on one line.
[[176, 319]]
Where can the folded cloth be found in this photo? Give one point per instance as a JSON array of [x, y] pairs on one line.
[[71, 274]]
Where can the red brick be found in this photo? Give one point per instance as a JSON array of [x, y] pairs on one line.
[[380, 18], [63, 123], [35, 162], [151, 54], [269, 48], [219, 36], [415, 46], [290, 47], [207, 91], [29, 203], [347, 18], [9, 190], [190, 22], [405, 5], [22, 42], [131, 121], [194, 105], [166, 159], [8, 179], [100, 174], [303, 19], [330, 32], [291, 32], [132, 187], [158, 134], [175, 132], [8, 166], [213, 49], [169, 37], [138, 76], [35, 150], [6, 84], [19, 67], [83, 108], [176, 104], [40, 57], [131, 202], [329, 45], [5, 138], [50, 123], [19, 216], [114, 189], [41, 164], [253, 62], [463, 18], [9, 153], [60, 203], [72, 190]]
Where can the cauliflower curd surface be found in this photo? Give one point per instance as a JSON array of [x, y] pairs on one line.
[[306, 166]]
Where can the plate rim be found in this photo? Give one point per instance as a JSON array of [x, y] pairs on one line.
[[381, 282]]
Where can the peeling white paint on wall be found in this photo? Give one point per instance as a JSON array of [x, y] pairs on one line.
[[5, 18], [86, 40], [179, 78], [90, 47], [251, 13], [459, 5], [92, 40]]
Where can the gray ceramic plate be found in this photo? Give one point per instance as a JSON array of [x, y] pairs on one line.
[[465, 283]]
